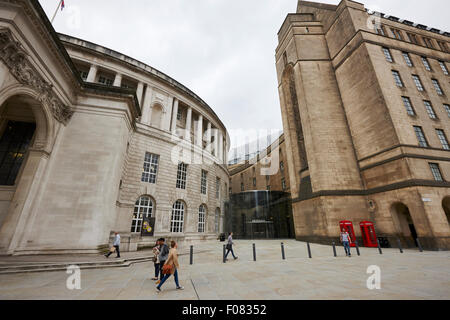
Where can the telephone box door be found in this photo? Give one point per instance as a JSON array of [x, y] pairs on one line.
[[348, 226], [368, 234]]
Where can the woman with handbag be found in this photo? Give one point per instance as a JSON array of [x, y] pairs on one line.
[[171, 267]]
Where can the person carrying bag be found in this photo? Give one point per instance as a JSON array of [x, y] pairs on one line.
[[171, 267]]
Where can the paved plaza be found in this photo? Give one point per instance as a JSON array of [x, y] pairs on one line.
[[411, 275]]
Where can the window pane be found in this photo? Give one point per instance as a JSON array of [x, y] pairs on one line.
[[143, 209], [443, 139], [436, 172], [14, 144], [408, 106], [420, 137], [430, 109]]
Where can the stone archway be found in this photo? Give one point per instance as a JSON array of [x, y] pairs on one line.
[[446, 207], [405, 224], [26, 136]]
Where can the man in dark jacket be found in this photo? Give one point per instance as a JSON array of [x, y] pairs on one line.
[[163, 255]]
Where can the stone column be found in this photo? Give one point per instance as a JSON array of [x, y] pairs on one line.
[[118, 80], [220, 150], [188, 124], [146, 112], [216, 142], [200, 131], [139, 91], [173, 126], [208, 137], [92, 73]]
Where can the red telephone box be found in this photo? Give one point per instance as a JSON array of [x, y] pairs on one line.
[[348, 226], [368, 234]]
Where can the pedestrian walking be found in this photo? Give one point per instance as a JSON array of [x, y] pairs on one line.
[[163, 256], [346, 241], [230, 246], [171, 267], [116, 245], [155, 251]]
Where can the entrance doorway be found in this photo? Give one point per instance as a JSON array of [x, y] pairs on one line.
[[405, 223], [446, 207]]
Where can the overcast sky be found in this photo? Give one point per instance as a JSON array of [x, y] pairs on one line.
[[223, 50]]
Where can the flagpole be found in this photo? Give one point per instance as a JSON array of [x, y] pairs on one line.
[[56, 11]]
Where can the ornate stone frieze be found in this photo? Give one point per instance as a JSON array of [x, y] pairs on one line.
[[15, 58]]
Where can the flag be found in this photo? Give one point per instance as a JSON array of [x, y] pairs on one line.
[[62, 5]]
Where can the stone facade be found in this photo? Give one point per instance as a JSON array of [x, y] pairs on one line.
[[93, 114], [268, 171], [355, 154]]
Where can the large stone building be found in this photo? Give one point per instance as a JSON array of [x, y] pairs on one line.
[[267, 171], [366, 116], [93, 141]]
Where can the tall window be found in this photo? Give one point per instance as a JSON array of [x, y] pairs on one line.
[[430, 109], [420, 136], [436, 172], [447, 109], [380, 30], [428, 42], [150, 168], [408, 106], [426, 63], [412, 38], [254, 182], [142, 209], [179, 114], [442, 137], [398, 80], [397, 34], [437, 87], [418, 83], [443, 46], [217, 188], [407, 59], [443, 67], [181, 175], [177, 220], [388, 55], [283, 184], [14, 145], [204, 182], [201, 218]]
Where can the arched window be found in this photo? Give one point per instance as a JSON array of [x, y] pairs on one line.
[[176, 223], [143, 208], [201, 218]]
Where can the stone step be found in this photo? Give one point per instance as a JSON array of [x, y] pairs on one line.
[[63, 266], [28, 267]]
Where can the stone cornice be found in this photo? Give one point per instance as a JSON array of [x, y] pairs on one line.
[[17, 61]]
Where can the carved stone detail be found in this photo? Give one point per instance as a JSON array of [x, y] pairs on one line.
[[15, 58]]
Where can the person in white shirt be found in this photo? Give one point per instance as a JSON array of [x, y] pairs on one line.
[[116, 245], [346, 240]]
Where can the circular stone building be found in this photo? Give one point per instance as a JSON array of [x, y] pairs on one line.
[[93, 141]]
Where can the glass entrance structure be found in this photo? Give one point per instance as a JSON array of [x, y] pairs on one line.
[[260, 215]]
